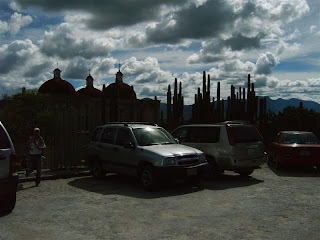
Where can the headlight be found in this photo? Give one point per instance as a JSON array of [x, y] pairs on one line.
[[202, 158], [168, 161]]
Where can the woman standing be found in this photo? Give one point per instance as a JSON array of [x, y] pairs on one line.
[[36, 145]]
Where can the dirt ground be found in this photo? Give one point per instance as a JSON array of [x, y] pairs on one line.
[[268, 205]]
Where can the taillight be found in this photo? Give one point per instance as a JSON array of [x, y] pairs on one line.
[[13, 163], [230, 135]]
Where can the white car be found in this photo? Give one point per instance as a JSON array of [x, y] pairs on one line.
[[234, 146], [146, 151], [8, 172]]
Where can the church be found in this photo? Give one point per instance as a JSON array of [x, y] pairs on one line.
[[77, 113], [118, 101]]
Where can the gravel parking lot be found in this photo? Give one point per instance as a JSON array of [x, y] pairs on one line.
[[268, 205]]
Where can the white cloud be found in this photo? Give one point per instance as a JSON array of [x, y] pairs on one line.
[[16, 22], [265, 63], [3, 27]]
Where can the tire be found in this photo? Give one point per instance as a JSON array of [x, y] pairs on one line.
[[147, 178], [9, 202], [97, 170], [245, 173]]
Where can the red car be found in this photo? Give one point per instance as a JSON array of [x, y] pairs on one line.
[[295, 148]]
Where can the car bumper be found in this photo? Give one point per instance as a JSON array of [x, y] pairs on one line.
[[9, 185], [180, 172], [234, 163]]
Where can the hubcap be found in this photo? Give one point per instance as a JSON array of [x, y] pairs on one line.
[[146, 178]]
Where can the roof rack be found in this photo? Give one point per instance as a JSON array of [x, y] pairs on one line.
[[128, 123]]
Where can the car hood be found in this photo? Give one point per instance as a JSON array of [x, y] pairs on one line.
[[171, 150]]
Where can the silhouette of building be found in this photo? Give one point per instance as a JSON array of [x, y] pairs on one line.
[[77, 113]]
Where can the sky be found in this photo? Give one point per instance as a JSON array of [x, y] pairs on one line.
[[275, 41]]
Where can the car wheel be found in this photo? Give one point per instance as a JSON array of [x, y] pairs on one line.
[[147, 177], [97, 170], [245, 173], [278, 165], [9, 202]]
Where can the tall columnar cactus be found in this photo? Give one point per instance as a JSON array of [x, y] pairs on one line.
[[175, 110], [242, 105]]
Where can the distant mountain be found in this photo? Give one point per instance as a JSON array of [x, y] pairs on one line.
[[278, 105], [275, 106]]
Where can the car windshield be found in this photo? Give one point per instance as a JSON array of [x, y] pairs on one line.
[[300, 138], [152, 136]]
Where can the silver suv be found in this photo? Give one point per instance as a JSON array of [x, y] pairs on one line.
[[234, 146], [8, 172], [143, 150]]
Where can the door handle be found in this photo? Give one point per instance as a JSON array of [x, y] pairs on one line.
[[116, 149]]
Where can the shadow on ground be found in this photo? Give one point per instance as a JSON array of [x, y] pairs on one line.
[[291, 171], [130, 186], [226, 181]]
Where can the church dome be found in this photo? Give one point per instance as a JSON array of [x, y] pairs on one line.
[[57, 85], [125, 91], [89, 90]]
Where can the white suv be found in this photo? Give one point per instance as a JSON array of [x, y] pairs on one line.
[[234, 146], [8, 172], [143, 150]]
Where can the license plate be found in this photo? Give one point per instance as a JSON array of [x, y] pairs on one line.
[[192, 172], [251, 151]]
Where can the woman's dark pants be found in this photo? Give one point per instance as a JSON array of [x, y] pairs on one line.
[[35, 164]]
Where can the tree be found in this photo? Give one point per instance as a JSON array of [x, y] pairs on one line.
[[20, 113]]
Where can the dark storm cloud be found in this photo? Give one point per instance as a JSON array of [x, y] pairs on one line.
[[239, 42], [106, 14], [194, 23], [36, 70]]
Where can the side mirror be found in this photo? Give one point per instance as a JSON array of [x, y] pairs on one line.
[[177, 140]]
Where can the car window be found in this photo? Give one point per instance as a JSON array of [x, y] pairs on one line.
[[96, 134], [204, 134], [123, 137], [245, 134], [108, 135], [152, 136], [181, 134], [300, 138], [4, 141]]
